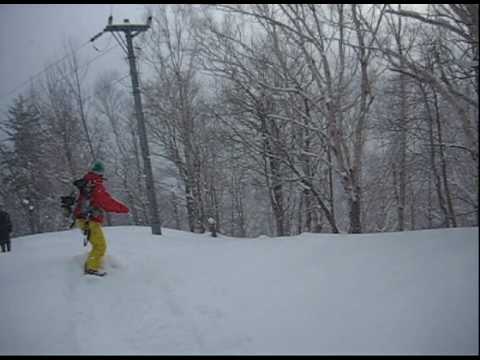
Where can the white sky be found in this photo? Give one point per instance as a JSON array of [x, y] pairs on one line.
[[410, 293], [33, 36]]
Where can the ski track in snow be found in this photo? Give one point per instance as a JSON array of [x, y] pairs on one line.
[[191, 294], [160, 325]]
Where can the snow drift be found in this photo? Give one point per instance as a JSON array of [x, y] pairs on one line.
[[182, 293]]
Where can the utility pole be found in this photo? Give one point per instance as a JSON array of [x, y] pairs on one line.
[[130, 31]]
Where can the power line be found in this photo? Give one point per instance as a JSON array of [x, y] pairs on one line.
[[121, 42], [42, 71], [98, 56], [56, 63], [80, 67], [108, 84], [106, 46]]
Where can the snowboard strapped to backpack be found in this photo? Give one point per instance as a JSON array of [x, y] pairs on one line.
[[85, 188], [68, 202]]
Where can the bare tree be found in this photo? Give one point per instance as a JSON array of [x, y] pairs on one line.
[[460, 58], [113, 106], [172, 102]]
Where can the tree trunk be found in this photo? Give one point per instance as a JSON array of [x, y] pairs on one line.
[[436, 177], [402, 186], [451, 213]]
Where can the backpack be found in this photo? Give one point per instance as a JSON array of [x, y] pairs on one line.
[[70, 201], [85, 188]]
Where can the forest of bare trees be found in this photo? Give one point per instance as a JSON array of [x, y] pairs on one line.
[[270, 119]]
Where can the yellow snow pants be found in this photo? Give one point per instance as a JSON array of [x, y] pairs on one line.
[[97, 240]]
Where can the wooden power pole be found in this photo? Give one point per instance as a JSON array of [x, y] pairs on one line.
[[130, 31]]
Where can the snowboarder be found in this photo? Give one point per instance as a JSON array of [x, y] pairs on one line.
[[91, 204], [5, 230]]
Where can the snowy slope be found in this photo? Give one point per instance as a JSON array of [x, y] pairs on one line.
[[183, 293]]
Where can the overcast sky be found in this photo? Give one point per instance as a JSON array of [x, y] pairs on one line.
[[34, 36]]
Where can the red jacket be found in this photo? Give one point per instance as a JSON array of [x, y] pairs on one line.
[[100, 200]]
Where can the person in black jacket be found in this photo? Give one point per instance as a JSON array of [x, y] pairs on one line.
[[5, 230]]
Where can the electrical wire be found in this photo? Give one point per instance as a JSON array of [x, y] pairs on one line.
[[121, 42], [30, 79], [42, 71], [97, 57], [109, 84], [106, 46], [59, 61], [118, 38]]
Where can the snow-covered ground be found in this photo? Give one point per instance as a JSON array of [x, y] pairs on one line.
[[182, 293]]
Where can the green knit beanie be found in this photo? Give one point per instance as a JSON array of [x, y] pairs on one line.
[[97, 167]]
